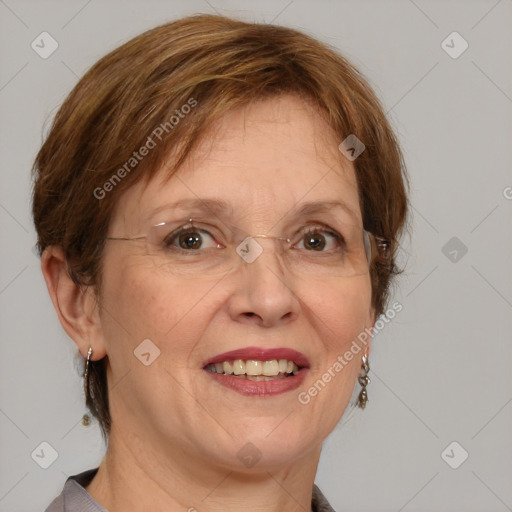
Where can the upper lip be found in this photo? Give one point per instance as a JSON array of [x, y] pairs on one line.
[[261, 354]]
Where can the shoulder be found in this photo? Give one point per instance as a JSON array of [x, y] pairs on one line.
[[74, 497], [319, 502], [57, 505]]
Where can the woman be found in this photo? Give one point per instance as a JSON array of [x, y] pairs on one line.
[[218, 206]]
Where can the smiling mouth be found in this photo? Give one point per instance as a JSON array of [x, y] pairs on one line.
[[255, 370]]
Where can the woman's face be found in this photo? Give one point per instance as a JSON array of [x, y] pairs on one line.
[[265, 162]]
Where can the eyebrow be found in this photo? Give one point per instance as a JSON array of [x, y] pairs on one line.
[[219, 206], [325, 207], [212, 206]]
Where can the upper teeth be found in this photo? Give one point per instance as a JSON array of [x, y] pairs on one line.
[[254, 367]]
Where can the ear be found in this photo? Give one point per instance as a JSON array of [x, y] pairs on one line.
[[76, 306]]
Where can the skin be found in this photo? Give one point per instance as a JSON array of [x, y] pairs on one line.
[[175, 432]]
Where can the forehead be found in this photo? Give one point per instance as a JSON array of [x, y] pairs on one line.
[[264, 160]]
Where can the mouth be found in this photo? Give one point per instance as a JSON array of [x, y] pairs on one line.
[[252, 369], [258, 365]]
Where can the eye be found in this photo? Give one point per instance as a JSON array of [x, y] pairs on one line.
[[189, 239], [318, 238]]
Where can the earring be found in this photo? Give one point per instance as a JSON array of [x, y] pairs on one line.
[[86, 420], [86, 374], [364, 380]]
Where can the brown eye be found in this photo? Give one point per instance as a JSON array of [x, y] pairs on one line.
[[320, 239], [189, 239], [314, 241]]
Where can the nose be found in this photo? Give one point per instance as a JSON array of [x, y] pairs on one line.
[[263, 288]]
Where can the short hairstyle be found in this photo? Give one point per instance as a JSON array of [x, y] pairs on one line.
[[211, 64]]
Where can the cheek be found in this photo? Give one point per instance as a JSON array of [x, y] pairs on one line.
[[342, 310], [141, 303]]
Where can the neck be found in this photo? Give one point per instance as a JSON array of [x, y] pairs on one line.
[[136, 476]]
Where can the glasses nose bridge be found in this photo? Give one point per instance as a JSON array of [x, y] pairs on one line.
[[252, 246], [279, 243]]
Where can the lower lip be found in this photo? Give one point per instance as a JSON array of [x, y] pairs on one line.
[[260, 388]]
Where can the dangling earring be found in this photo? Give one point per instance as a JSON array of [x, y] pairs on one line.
[[86, 373], [364, 380], [85, 417]]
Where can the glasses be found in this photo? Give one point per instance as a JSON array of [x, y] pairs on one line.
[[206, 250]]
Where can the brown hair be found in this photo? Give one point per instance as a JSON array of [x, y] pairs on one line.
[[212, 64]]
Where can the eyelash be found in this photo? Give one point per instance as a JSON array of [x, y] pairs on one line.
[[305, 231]]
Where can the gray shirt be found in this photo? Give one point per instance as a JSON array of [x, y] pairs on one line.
[[74, 497]]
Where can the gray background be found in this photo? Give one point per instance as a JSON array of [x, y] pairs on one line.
[[440, 370]]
